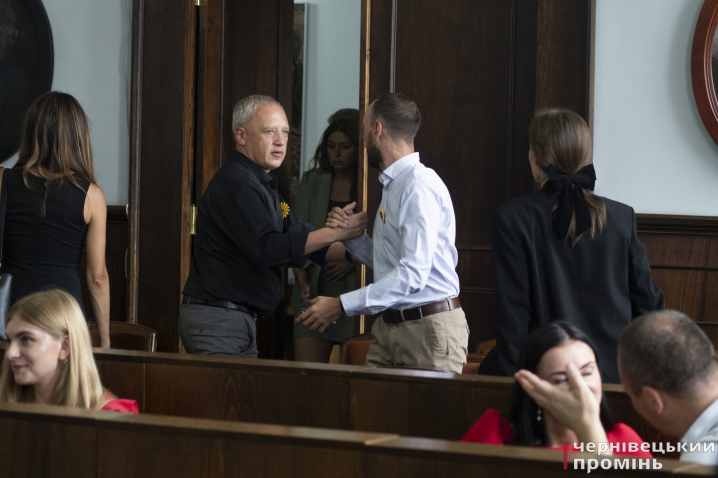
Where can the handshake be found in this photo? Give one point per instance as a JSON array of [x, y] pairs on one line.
[[347, 224]]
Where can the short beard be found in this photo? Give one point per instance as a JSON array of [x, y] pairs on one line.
[[373, 155]]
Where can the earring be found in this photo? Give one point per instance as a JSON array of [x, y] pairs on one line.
[[64, 362], [538, 415]]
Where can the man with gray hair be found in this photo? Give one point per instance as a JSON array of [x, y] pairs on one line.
[[669, 370], [246, 235]]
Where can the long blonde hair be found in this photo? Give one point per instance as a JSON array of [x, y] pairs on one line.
[[561, 137], [56, 139], [57, 313]]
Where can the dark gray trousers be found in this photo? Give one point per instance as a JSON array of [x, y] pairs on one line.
[[209, 330]]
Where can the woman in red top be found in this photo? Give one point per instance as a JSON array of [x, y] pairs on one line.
[[558, 398], [49, 356]]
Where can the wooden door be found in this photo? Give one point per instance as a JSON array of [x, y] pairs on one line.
[[191, 64], [244, 47], [162, 154], [477, 69]]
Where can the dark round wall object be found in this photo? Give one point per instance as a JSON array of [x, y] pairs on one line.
[[702, 66], [26, 66]]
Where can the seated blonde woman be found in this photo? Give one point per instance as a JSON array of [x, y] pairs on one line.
[[49, 359]]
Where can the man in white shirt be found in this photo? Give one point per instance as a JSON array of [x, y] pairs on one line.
[[669, 369], [412, 254]]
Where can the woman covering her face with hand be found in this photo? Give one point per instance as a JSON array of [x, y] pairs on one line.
[[558, 398], [49, 360]]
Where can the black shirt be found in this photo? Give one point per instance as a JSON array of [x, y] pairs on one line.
[[242, 241], [599, 285]]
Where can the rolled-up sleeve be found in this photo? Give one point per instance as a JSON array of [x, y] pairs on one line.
[[362, 248]]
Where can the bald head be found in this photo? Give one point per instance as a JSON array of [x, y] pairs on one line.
[[667, 351]]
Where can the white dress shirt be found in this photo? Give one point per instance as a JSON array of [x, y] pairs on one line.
[[412, 254], [703, 430]]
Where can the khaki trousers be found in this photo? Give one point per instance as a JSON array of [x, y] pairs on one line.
[[436, 342]]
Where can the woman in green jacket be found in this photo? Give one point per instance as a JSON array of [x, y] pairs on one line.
[[332, 183]]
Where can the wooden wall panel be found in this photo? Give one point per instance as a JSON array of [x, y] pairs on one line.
[[683, 253], [211, 132], [161, 185], [524, 96], [466, 116], [477, 70], [563, 55]]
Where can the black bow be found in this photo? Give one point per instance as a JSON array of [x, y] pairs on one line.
[[571, 199]]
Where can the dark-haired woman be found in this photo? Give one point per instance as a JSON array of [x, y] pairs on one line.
[[565, 253], [332, 183], [558, 360], [54, 208]]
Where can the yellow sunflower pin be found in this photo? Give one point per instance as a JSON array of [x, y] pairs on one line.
[[285, 209]]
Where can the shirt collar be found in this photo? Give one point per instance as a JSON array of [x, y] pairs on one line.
[[398, 167], [702, 426], [264, 178]]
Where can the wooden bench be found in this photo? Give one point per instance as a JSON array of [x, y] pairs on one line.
[[346, 397], [57, 442]]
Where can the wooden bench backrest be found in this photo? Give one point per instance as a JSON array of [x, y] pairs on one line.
[[56, 442], [404, 402]]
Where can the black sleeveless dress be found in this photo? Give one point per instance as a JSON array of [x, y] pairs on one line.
[[44, 252]]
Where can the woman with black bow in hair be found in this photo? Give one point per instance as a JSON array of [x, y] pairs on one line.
[[566, 254]]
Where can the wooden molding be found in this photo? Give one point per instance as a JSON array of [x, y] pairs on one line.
[[138, 8], [666, 224], [701, 67]]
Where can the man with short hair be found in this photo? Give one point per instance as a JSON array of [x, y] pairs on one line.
[[246, 234], [668, 368], [412, 253]]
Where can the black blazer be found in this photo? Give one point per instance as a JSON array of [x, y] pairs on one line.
[[599, 285]]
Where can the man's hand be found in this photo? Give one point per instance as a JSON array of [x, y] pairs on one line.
[[338, 270], [339, 217], [324, 311], [577, 409], [355, 227]]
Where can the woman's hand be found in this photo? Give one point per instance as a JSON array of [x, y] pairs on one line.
[[336, 271], [577, 408]]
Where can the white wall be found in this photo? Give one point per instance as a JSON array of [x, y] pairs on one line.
[[651, 148], [92, 59], [333, 50]]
